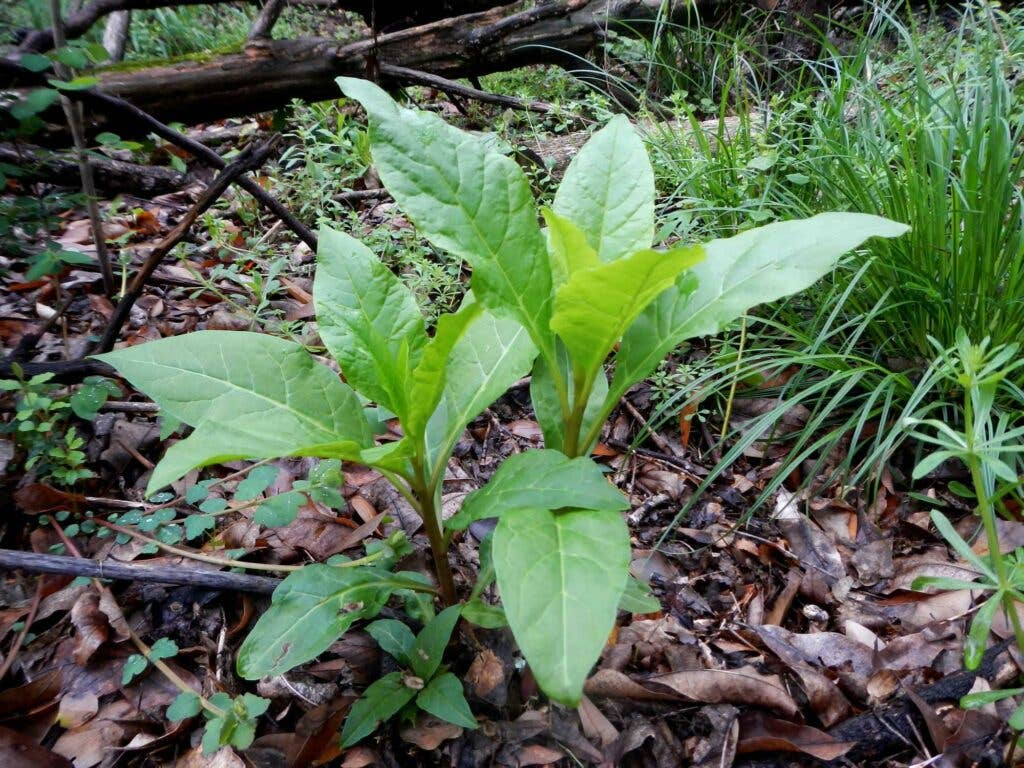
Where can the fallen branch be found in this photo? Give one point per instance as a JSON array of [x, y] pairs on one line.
[[113, 105], [561, 32], [32, 562], [252, 158], [64, 371], [111, 176], [76, 123], [453, 88]]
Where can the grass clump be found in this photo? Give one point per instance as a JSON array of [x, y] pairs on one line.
[[931, 140]]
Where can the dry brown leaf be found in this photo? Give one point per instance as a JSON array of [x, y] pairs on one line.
[[595, 725], [538, 754], [91, 627], [820, 649], [19, 751], [812, 545], [718, 748], [359, 757], [485, 673], [729, 686], [77, 708], [430, 733], [89, 744], [222, 758], [760, 733], [363, 508], [612, 684]]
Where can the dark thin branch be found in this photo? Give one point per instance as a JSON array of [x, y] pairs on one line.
[[33, 562], [29, 340], [252, 158], [453, 88], [64, 371], [265, 20], [75, 118]]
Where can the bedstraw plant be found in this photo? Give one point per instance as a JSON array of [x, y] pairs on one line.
[[556, 301]]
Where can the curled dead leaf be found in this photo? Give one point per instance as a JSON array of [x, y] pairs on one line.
[[760, 733]]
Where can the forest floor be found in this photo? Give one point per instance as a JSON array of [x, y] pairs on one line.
[[791, 636]]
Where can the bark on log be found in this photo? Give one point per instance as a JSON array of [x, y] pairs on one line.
[[111, 176], [560, 32]]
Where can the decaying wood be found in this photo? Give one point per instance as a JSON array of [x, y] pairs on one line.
[[32, 562], [498, 39], [111, 176]]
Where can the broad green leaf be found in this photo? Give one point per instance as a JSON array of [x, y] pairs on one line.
[[608, 191], [393, 457], [465, 198], [368, 319], [561, 575], [196, 525], [568, 247], [379, 702], [394, 638], [637, 598], [248, 395], [545, 479], [489, 358], [432, 642], [942, 582], [547, 406], [310, 610], [1016, 719], [444, 698], [596, 306], [429, 376], [756, 266]]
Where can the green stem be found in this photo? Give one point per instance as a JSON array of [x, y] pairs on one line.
[[581, 386], [430, 512], [988, 519], [551, 362]]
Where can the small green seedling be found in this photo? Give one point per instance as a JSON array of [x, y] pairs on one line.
[[423, 683]]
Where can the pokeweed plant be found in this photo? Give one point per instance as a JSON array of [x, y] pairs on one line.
[[989, 444], [565, 296]]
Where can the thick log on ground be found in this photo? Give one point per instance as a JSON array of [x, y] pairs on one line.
[[271, 75], [111, 176]]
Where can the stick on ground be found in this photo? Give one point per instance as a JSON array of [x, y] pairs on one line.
[[33, 562]]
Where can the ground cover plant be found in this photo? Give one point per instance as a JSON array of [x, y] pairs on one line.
[[560, 549]]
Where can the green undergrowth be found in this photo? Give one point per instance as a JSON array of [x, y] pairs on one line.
[[914, 120]]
